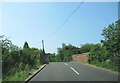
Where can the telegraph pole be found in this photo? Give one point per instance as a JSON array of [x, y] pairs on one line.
[[43, 56], [43, 46]]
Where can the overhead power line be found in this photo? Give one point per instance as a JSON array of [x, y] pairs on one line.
[[59, 27]]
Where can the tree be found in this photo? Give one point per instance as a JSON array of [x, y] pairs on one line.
[[86, 47], [26, 45], [6, 58], [65, 53], [5, 43], [14, 48], [111, 36], [15, 59], [111, 42], [97, 54], [108, 52]]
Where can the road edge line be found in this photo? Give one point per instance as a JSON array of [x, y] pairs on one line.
[[29, 78]]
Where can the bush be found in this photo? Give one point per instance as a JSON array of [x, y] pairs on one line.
[[15, 60]]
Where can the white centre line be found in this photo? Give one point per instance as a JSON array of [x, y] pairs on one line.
[[74, 70], [66, 64]]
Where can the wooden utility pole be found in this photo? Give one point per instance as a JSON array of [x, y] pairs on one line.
[[43, 46], [43, 56]]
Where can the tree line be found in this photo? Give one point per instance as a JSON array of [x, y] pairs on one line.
[[105, 54], [15, 59]]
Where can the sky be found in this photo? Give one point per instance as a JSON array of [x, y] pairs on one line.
[[36, 21]]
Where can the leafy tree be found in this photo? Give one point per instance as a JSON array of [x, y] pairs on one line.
[[111, 42], [97, 54], [51, 57], [109, 49], [26, 45], [15, 59], [111, 36], [14, 48], [86, 47], [5, 43], [65, 53]]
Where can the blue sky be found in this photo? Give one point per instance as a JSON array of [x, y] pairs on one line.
[[35, 21]]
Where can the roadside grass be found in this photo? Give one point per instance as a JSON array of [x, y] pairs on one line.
[[106, 65], [21, 75]]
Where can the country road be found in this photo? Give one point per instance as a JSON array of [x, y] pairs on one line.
[[74, 71]]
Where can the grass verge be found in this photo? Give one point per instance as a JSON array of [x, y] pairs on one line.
[[19, 76], [106, 65]]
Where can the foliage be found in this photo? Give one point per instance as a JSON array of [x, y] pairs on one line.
[[111, 42], [15, 59], [109, 50], [86, 47], [65, 53], [26, 45], [97, 54], [111, 39], [51, 57], [105, 54]]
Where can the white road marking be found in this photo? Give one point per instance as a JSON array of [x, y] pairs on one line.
[[74, 70], [66, 64]]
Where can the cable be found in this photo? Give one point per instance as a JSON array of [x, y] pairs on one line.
[[65, 20]]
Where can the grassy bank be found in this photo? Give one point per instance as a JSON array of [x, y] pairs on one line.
[[20, 76], [106, 65]]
